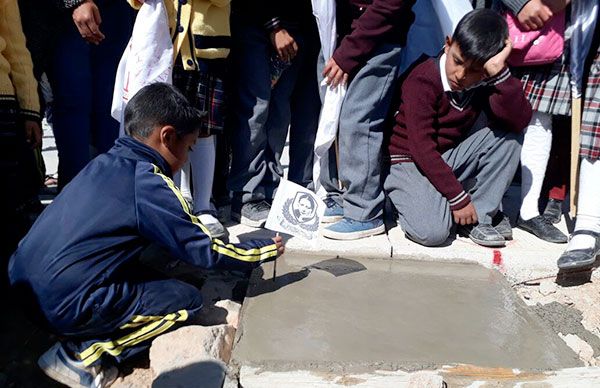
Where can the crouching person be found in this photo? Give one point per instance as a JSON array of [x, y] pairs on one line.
[[447, 166], [77, 269]]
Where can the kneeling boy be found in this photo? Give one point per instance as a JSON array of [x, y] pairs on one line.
[[78, 271], [446, 166]]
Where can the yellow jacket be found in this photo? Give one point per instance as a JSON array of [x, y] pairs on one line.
[[16, 68], [200, 29]]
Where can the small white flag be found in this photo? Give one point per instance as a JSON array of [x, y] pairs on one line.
[[296, 211]]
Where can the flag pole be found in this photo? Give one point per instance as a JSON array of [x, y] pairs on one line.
[[575, 144]]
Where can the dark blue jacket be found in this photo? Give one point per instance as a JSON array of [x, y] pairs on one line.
[[77, 257]]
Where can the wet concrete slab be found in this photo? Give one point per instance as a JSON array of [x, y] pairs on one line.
[[323, 313]]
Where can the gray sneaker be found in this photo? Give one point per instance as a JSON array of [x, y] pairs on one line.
[[483, 234], [58, 365], [502, 225], [213, 225], [253, 214]]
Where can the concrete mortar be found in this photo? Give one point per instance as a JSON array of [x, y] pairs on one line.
[[390, 315]]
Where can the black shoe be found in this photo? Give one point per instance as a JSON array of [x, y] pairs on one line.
[[502, 225], [543, 229], [553, 210], [580, 259], [483, 234], [253, 214]]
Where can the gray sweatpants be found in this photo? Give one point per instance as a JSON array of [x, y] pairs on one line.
[[485, 163], [361, 132]]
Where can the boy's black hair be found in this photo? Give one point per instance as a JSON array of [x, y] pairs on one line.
[[157, 105], [481, 34]]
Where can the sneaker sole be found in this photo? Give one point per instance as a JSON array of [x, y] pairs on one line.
[[488, 244], [354, 235], [330, 219], [247, 221], [566, 240], [579, 266]]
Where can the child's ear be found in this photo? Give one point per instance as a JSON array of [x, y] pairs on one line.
[[167, 135], [448, 44]]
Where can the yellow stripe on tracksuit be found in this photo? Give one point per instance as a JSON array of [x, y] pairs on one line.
[[150, 330], [249, 255]]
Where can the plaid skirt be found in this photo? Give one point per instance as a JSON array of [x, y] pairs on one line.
[[205, 91], [547, 87], [590, 121]]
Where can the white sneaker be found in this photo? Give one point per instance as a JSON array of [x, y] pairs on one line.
[[213, 225], [56, 364]]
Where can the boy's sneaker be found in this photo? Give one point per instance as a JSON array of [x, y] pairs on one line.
[[253, 214], [543, 229], [502, 225], [553, 210], [334, 212], [213, 225], [57, 365], [483, 234], [348, 229], [580, 259]]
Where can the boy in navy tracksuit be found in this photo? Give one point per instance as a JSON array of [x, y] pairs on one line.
[[77, 269]]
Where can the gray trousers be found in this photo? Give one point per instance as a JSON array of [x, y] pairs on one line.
[[260, 115], [361, 133], [485, 163]]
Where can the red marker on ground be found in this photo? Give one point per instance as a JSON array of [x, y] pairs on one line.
[[497, 257]]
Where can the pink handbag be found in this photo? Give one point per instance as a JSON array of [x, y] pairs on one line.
[[539, 47]]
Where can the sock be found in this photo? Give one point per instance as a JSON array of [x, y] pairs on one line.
[[207, 219], [534, 159], [588, 205], [202, 160], [182, 180]]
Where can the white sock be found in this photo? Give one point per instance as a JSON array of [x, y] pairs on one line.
[[588, 205], [534, 159], [208, 219], [182, 180], [202, 160]]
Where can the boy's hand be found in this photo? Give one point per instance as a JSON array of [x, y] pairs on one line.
[[280, 247], [284, 44], [335, 75], [534, 15], [33, 133], [87, 19], [497, 63], [465, 216]]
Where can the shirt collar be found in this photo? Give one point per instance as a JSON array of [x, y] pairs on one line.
[[445, 82]]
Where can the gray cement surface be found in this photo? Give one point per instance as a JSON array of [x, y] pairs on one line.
[[363, 314]]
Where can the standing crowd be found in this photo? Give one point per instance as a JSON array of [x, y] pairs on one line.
[[441, 140]]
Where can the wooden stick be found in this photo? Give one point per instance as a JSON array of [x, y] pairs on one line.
[[575, 144], [275, 262]]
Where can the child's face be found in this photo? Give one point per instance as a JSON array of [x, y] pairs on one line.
[[461, 73], [180, 148]]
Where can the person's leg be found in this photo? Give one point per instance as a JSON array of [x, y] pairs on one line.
[[163, 305], [534, 159], [71, 79], [557, 173], [485, 163], [305, 109], [423, 213], [251, 93], [585, 243], [118, 18], [279, 119], [362, 119]]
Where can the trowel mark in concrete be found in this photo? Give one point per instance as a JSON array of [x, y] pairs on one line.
[[567, 320], [404, 314]]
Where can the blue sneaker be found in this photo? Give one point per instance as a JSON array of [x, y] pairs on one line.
[[348, 229], [56, 364], [333, 213]]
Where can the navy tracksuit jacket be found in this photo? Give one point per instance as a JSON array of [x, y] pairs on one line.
[[77, 263]]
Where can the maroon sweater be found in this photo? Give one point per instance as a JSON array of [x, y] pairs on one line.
[[373, 22], [428, 122]]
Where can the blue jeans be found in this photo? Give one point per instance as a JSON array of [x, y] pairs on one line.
[[260, 115], [82, 77]]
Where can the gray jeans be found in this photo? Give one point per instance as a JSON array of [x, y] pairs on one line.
[[360, 138], [485, 163]]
